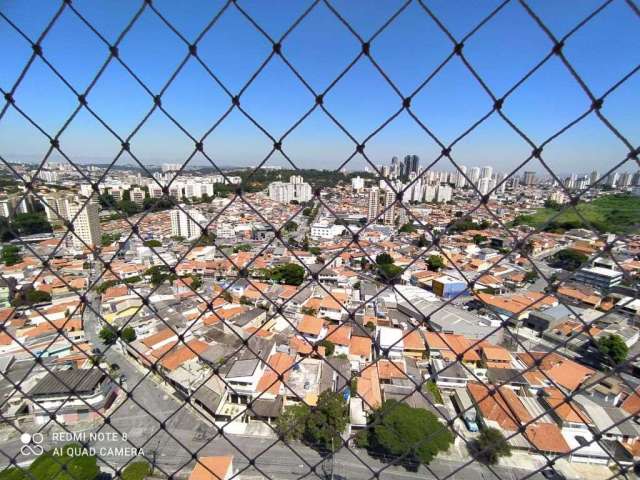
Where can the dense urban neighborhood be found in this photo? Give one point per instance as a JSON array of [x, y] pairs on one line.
[[422, 318]]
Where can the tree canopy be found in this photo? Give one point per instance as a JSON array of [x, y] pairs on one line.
[[490, 446], [569, 260], [10, 255], [435, 263], [108, 335], [613, 349], [128, 334], [289, 273], [320, 427], [398, 430]]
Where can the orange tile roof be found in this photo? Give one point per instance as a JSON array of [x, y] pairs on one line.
[[281, 363], [547, 437], [158, 337], [183, 354], [388, 369], [339, 334], [496, 354], [414, 340], [568, 411], [369, 386], [360, 346], [500, 405], [212, 468], [310, 325]]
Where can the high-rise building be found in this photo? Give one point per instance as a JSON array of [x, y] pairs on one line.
[[430, 193], [411, 164], [635, 180], [474, 175], [389, 205], [484, 185], [612, 179], [529, 178], [55, 208], [373, 204], [500, 183], [461, 181], [170, 167], [86, 223], [187, 223], [594, 177], [486, 172], [443, 194], [625, 180]]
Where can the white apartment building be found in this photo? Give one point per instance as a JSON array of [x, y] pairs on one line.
[[357, 183], [187, 222], [226, 231], [444, 193], [86, 223], [295, 189], [389, 205], [137, 195], [373, 204], [325, 230]]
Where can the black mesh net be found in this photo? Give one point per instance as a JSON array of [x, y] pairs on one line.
[[388, 321]]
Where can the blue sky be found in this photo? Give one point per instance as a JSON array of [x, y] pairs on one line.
[[320, 47]]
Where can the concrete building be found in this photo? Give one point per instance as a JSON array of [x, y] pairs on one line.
[[188, 226], [389, 205], [86, 223], [373, 204]]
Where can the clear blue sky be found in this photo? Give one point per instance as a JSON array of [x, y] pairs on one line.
[[320, 47]]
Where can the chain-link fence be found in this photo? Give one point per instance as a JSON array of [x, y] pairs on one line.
[[393, 321]]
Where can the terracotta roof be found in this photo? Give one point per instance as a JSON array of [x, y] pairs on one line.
[[339, 334], [496, 354], [360, 346], [310, 325], [547, 437], [183, 354], [369, 386], [500, 405], [212, 468], [158, 337], [414, 340], [281, 363]]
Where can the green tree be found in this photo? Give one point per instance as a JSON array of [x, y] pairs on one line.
[[398, 430], [56, 465], [329, 347], [30, 224], [108, 238], [289, 273], [478, 239], [136, 471], [291, 226], [407, 228], [307, 212], [422, 241], [320, 428], [490, 446], [128, 334], [531, 276], [569, 259], [153, 243], [10, 255], [384, 259], [325, 424], [108, 335], [390, 272], [291, 424], [435, 263], [613, 349]]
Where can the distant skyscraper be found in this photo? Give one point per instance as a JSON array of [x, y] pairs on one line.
[[443, 194], [474, 175], [625, 180], [357, 183], [635, 180], [612, 179], [484, 185], [187, 226], [374, 204], [594, 177], [389, 205], [529, 178], [411, 164], [460, 180], [486, 172]]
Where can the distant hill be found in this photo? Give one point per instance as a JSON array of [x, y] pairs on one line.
[[612, 213]]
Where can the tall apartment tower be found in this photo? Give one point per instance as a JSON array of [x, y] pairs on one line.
[[529, 178], [86, 223], [374, 204], [461, 181], [389, 205], [474, 175], [187, 226]]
